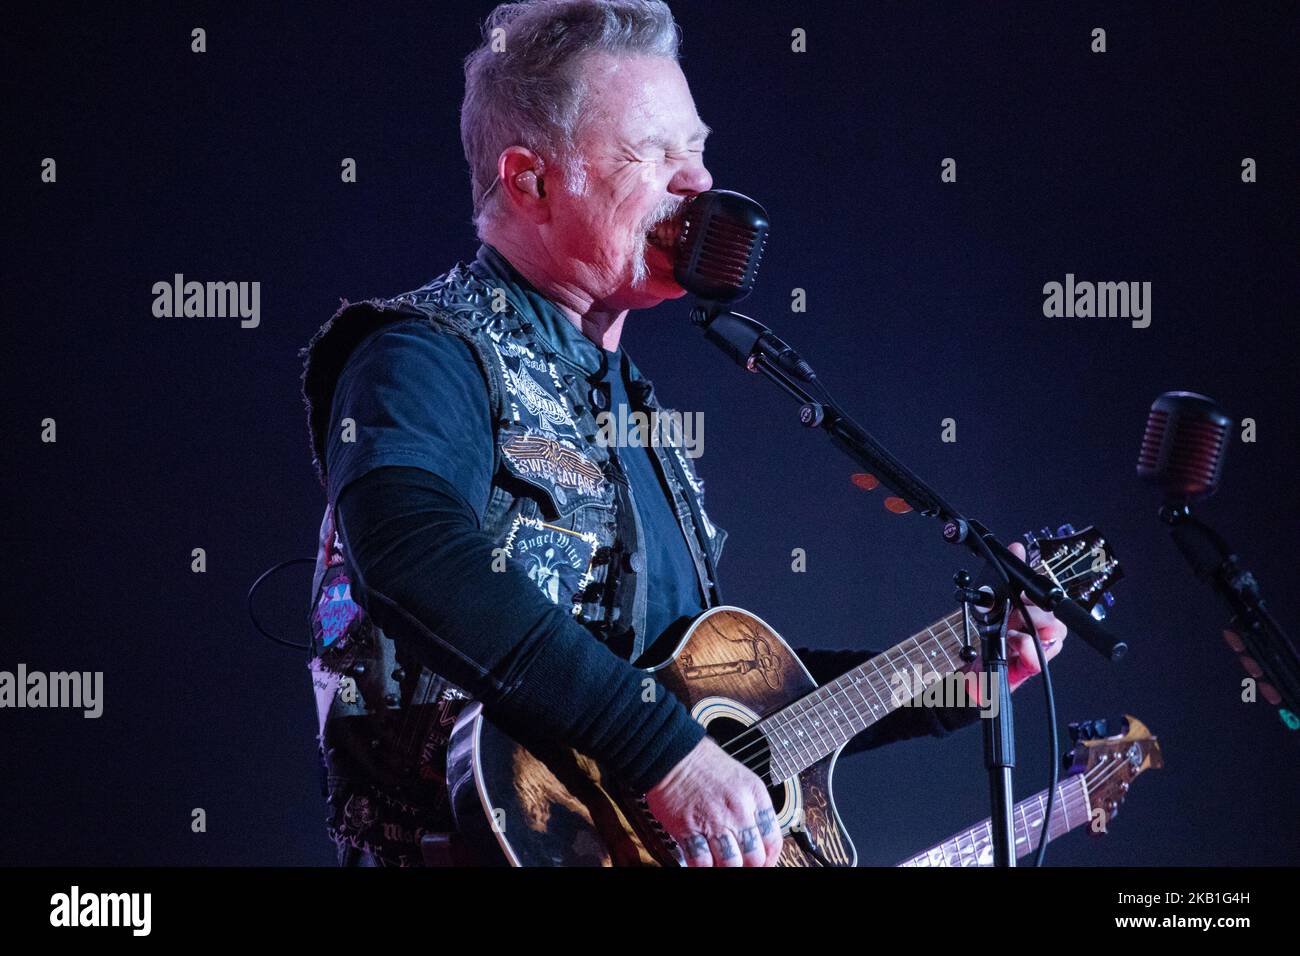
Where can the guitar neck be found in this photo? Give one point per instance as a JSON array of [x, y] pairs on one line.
[[974, 847], [819, 724]]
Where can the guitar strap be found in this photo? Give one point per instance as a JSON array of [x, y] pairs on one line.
[[714, 596]]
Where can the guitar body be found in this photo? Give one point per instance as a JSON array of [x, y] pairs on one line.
[[521, 807]]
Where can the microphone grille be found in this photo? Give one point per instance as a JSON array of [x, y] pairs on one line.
[[1184, 444], [720, 246]]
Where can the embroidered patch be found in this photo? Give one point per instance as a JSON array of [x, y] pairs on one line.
[[564, 472], [358, 814], [558, 560], [535, 398], [517, 365], [334, 612]]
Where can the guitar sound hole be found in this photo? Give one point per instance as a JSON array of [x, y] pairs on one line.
[[750, 749]]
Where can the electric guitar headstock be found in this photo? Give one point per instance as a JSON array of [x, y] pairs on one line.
[[1079, 562], [1110, 759]]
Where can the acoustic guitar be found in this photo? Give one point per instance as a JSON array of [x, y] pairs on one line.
[[555, 807]]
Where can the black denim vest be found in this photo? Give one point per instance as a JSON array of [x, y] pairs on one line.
[[560, 505]]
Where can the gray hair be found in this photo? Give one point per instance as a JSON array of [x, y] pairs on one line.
[[522, 84]]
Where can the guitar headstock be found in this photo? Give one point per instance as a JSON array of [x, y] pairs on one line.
[[1111, 762], [1079, 562]]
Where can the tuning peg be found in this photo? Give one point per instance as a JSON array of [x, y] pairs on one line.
[[1104, 603], [1065, 530], [1252, 666], [1270, 693], [897, 505], [1088, 730], [865, 481], [1234, 641]]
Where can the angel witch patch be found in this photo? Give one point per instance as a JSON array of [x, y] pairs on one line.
[[557, 560]]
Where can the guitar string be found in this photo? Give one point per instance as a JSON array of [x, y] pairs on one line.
[[1078, 798], [753, 735], [981, 833], [1073, 576], [1094, 779], [748, 737], [946, 622]]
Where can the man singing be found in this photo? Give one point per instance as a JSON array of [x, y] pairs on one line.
[[480, 540]]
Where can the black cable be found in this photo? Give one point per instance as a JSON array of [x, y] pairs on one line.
[[1041, 850], [993, 561], [253, 617]]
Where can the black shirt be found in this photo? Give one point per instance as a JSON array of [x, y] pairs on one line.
[[674, 592]]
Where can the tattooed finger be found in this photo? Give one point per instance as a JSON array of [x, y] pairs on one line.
[[696, 848], [725, 850]]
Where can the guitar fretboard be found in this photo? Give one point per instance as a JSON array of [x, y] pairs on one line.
[[817, 725], [974, 847]]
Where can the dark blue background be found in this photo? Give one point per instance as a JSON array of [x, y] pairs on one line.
[[924, 303]]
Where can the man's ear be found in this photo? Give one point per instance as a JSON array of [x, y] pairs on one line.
[[520, 171]]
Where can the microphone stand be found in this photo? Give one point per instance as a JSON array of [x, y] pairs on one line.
[[1214, 561], [757, 348]]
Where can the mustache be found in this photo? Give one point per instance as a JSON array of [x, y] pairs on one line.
[[666, 209]]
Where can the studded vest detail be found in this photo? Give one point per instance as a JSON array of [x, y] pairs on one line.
[[560, 505]]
